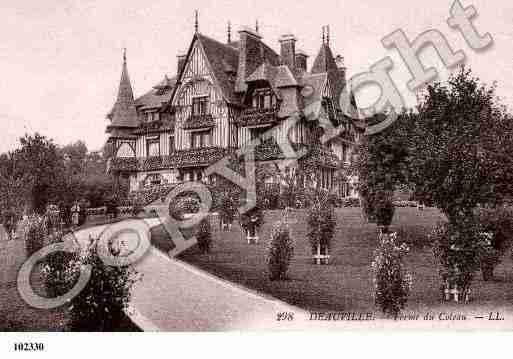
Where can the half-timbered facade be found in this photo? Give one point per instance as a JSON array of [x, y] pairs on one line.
[[223, 96]]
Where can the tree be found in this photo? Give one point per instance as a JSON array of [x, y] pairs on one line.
[[380, 162], [455, 146], [455, 163], [13, 191], [38, 161]]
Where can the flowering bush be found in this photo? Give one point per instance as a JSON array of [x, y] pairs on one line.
[[101, 304], [59, 270], [204, 236], [321, 223], [280, 251], [34, 234], [392, 283]]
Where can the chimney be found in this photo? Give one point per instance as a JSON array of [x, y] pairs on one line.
[[288, 50], [181, 63], [250, 56], [301, 60], [339, 60]]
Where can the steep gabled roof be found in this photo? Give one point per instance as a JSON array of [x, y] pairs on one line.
[[159, 94], [223, 60], [124, 113], [324, 61]]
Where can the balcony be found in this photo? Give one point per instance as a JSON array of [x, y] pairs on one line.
[[196, 122], [198, 157], [122, 164], [257, 116]]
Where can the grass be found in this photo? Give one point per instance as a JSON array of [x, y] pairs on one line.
[[346, 283]]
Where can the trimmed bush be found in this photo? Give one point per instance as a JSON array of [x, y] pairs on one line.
[[227, 209], [392, 284], [280, 251], [383, 208], [321, 223], [204, 235], [252, 220]]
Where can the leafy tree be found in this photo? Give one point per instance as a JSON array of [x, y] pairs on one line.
[[457, 146], [380, 162], [38, 161]]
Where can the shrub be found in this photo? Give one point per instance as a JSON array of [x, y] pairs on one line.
[[34, 232], [52, 217], [497, 225], [112, 207], [456, 249], [252, 220], [182, 205], [204, 235], [60, 269], [336, 200], [101, 304], [227, 209], [383, 209], [321, 223], [392, 283], [9, 220], [280, 251]]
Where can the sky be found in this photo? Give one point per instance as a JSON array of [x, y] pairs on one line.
[[60, 60]]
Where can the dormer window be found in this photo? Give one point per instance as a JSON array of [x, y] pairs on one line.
[[263, 99], [152, 116], [200, 105]]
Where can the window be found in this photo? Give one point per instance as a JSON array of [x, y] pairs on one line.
[[200, 139], [154, 179], [263, 99], [171, 143], [125, 150], [200, 106], [152, 147], [258, 132]]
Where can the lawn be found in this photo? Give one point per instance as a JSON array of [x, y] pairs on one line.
[[346, 283]]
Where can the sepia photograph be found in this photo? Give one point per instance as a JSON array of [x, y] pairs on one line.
[[254, 166]]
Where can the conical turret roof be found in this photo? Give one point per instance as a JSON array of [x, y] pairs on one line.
[[124, 113], [324, 61]]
